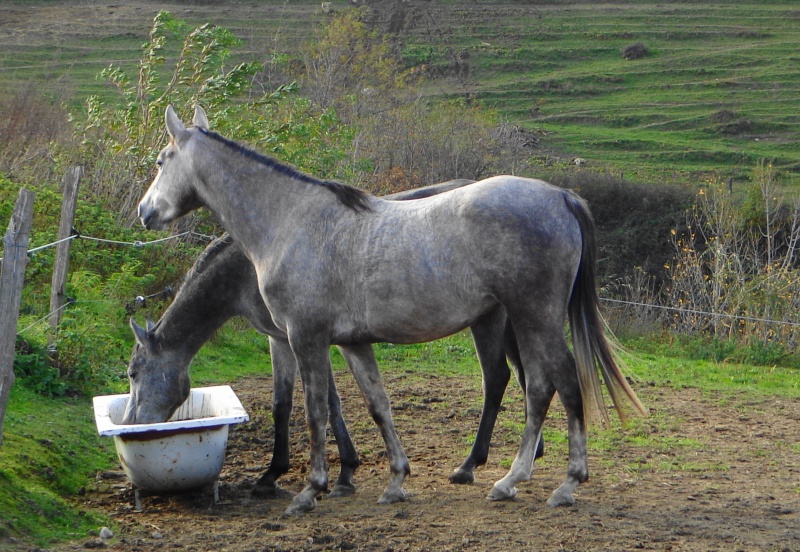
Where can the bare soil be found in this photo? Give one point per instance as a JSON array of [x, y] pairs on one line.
[[706, 471]]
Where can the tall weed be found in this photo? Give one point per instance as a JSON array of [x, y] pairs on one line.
[[734, 276], [121, 139]]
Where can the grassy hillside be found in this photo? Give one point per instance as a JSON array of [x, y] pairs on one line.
[[61, 47], [716, 92]]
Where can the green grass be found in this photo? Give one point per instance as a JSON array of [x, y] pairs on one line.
[[676, 364], [64, 61], [558, 68], [236, 351], [716, 93], [50, 452]]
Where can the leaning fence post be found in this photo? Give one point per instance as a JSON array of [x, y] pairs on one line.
[[58, 290], [15, 259]]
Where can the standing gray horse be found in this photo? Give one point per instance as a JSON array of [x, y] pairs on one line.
[[222, 284], [337, 266]]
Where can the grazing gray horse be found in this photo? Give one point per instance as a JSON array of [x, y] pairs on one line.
[[337, 266], [223, 284]]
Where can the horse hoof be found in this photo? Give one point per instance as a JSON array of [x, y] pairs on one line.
[[393, 497], [501, 494], [462, 477], [342, 489], [558, 500], [300, 505]]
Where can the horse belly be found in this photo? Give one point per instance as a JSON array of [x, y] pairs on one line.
[[416, 316]]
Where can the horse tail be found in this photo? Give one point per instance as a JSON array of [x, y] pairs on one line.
[[592, 347]]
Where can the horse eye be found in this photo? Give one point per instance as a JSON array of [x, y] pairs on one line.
[[132, 375], [159, 162]]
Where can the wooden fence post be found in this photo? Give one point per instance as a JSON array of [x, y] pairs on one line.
[[58, 290], [15, 259]]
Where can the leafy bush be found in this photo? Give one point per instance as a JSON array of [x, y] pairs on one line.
[[121, 140], [34, 370], [92, 341]]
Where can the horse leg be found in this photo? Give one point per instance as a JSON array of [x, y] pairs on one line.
[[361, 360], [487, 334], [313, 362], [536, 355], [348, 456], [284, 369], [512, 353], [568, 387]]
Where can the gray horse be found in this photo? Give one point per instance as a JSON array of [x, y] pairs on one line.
[[337, 266], [223, 284]]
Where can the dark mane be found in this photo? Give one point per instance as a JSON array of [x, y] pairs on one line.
[[214, 249], [351, 197]]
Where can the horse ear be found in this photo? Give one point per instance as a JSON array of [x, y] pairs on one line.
[[175, 127], [139, 333], [200, 118], [150, 324]]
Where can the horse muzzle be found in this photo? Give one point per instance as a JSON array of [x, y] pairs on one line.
[[149, 217]]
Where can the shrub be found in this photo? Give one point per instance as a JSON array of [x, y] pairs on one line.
[[121, 139], [428, 143], [636, 50], [28, 126], [734, 274], [634, 222]]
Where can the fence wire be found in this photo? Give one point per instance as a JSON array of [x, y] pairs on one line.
[[704, 313], [137, 243]]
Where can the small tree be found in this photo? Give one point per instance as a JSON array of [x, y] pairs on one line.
[[350, 65], [121, 139], [428, 142]]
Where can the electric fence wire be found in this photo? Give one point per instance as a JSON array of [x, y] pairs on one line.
[[138, 243], [703, 313]]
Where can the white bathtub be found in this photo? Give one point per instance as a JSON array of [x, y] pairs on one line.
[[186, 452]]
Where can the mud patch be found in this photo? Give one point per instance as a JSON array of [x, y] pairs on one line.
[[706, 471]]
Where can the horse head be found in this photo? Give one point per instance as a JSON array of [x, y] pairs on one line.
[[159, 379], [172, 193]]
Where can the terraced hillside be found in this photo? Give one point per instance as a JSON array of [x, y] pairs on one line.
[[62, 46], [717, 90], [718, 87]]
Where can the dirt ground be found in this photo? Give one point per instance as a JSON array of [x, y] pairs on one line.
[[706, 471]]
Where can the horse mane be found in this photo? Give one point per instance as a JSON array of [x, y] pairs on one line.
[[214, 249], [353, 198]]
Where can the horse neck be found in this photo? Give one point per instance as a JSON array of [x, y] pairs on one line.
[[193, 317], [254, 202]]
